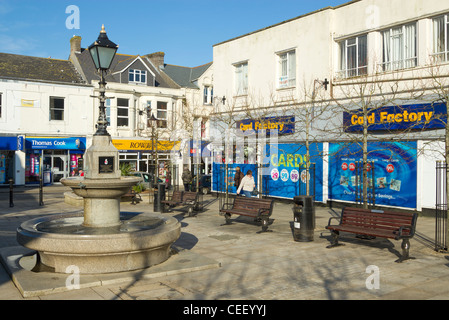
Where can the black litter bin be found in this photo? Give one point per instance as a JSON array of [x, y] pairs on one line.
[[159, 195], [303, 218]]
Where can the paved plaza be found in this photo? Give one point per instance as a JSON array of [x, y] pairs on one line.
[[238, 262]]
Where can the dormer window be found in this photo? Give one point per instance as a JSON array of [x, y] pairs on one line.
[[137, 76]]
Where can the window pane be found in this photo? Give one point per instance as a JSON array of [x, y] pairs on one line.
[[352, 61], [56, 108], [122, 122], [57, 114], [363, 53], [122, 112], [447, 34], [122, 102], [438, 37], [162, 105], [343, 56], [162, 115]]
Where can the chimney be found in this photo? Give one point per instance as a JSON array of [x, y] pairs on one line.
[[75, 45], [157, 59]]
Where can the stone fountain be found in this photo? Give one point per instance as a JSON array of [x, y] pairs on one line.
[[101, 239]]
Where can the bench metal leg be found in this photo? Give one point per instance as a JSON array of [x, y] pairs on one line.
[[335, 235], [265, 222], [405, 246]]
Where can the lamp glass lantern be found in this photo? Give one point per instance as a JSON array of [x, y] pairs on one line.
[[103, 51]]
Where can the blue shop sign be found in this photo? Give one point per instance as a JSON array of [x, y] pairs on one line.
[[11, 143], [398, 117], [71, 143]]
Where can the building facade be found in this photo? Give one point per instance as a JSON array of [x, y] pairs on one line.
[[349, 83], [43, 119], [48, 112]]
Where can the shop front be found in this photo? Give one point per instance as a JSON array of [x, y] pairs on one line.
[[140, 156], [8, 147], [53, 158]]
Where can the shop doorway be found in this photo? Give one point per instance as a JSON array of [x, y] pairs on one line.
[[57, 165]]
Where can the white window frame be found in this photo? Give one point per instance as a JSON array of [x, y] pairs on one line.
[[52, 108], [162, 114], [440, 50], [399, 47], [137, 76], [241, 78], [120, 112], [344, 47], [286, 69], [208, 95], [1, 106]]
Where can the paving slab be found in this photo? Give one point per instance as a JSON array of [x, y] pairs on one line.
[[19, 263]]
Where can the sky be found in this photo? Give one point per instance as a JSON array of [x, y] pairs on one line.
[[185, 30]]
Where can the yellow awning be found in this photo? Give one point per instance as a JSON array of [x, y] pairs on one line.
[[145, 145]]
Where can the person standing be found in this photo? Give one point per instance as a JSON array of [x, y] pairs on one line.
[[248, 184], [168, 180], [187, 179], [238, 177]]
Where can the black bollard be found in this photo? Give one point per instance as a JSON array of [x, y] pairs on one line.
[[41, 192], [11, 193]]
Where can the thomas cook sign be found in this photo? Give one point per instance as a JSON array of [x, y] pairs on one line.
[[413, 116]]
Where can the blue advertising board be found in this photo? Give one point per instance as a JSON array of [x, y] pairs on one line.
[[394, 172], [287, 176], [399, 117], [219, 179]]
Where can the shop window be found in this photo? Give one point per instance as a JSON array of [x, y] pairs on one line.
[[56, 108]]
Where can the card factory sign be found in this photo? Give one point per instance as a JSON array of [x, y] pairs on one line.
[[413, 116], [284, 124]]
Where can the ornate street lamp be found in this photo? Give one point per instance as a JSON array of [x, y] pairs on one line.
[[152, 121], [102, 52]]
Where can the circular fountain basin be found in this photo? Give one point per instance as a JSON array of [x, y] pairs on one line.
[[139, 241]]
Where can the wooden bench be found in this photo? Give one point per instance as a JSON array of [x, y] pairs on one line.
[[190, 198], [176, 200], [135, 197], [183, 198], [376, 223], [259, 209]]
